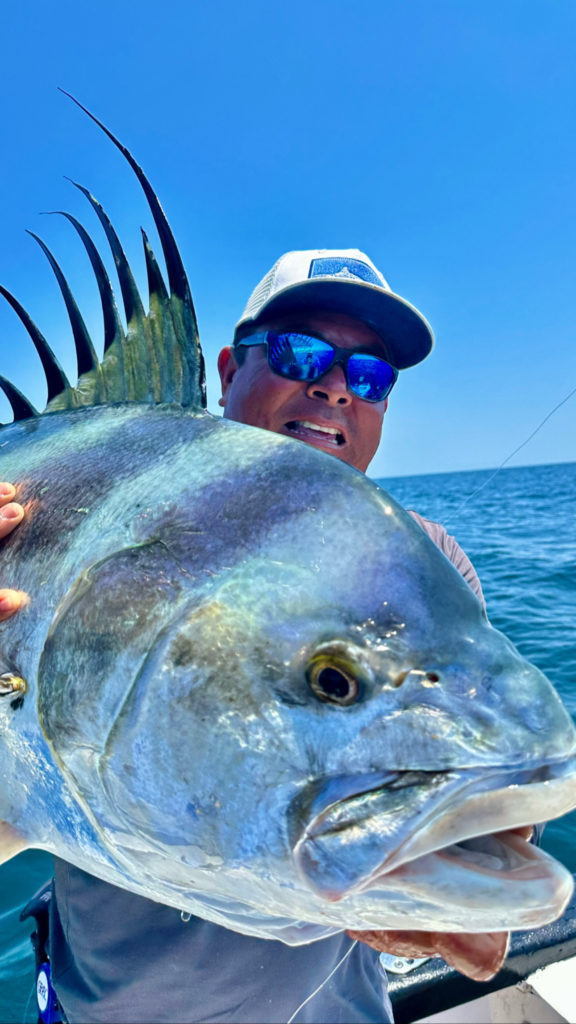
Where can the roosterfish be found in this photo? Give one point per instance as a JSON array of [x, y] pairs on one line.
[[247, 684]]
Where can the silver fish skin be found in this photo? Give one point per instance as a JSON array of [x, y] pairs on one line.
[[255, 690]]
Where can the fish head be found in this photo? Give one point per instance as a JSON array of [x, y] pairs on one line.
[[322, 730]]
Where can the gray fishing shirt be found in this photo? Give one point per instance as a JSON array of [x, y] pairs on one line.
[[118, 958]]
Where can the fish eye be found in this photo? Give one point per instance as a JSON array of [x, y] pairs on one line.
[[332, 683]]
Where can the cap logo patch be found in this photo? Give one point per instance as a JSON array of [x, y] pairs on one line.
[[339, 266]]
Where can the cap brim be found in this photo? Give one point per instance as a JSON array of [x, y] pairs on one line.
[[406, 334]]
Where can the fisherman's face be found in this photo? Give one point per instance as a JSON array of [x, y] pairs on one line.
[[252, 393]]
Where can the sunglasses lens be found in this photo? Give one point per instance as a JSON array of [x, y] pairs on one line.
[[370, 378], [298, 356], [301, 357]]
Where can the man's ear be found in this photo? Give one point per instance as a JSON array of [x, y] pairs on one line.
[[227, 368]]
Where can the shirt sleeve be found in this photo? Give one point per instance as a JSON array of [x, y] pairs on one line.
[[452, 550]]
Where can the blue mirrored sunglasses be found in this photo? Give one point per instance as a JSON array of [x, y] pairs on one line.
[[304, 357]]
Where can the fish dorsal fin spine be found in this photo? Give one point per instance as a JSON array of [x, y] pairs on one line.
[[21, 407], [157, 358]]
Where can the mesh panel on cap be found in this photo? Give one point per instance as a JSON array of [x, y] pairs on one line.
[[261, 293]]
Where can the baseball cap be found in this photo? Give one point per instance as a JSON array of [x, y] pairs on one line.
[[345, 281]]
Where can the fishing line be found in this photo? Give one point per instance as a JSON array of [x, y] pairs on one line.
[[316, 990], [29, 1003], [512, 454]]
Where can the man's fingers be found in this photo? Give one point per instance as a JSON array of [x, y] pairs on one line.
[[11, 601], [399, 943], [7, 493], [10, 515], [10, 512], [526, 831], [477, 956]]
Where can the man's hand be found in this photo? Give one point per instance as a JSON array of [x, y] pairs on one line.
[[10, 515], [477, 956]]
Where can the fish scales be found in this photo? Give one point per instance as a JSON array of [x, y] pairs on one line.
[[247, 684]]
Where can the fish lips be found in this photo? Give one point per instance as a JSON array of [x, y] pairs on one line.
[[384, 835]]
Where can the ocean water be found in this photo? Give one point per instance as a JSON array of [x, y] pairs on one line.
[[519, 529]]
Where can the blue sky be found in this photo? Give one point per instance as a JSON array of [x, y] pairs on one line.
[[438, 137]]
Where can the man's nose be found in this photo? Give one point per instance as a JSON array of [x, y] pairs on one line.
[[331, 388]]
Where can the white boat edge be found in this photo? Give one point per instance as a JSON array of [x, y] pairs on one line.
[[544, 997]]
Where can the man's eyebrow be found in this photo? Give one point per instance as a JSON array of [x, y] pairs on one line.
[[298, 326]]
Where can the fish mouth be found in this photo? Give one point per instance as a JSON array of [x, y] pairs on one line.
[[443, 837], [320, 434]]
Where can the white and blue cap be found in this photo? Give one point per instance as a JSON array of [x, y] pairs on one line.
[[345, 281]]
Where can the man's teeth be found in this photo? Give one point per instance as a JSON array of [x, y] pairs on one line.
[[302, 428], [316, 426]]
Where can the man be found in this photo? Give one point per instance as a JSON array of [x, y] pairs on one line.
[[315, 356]]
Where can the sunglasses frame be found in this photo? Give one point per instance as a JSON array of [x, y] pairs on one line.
[[341, 358]]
